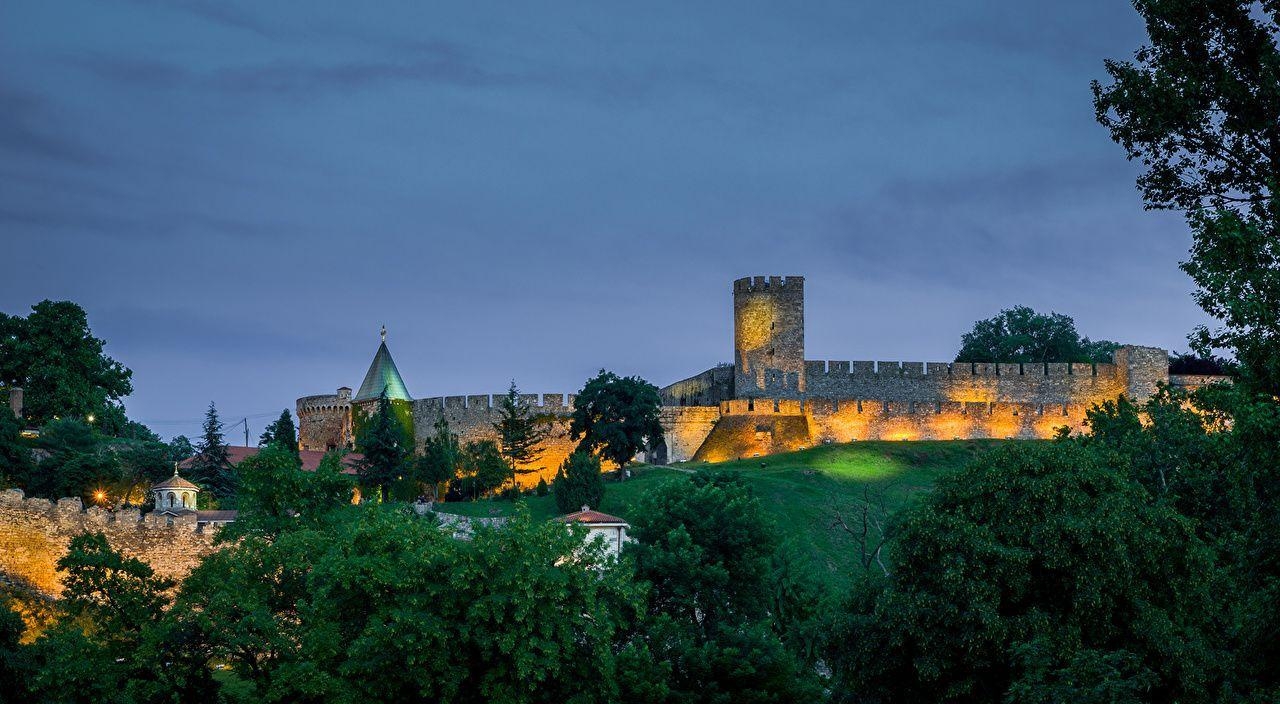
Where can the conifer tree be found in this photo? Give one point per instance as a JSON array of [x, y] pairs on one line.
[[382, 443], [212, 465], [282, 433], [518, 432]]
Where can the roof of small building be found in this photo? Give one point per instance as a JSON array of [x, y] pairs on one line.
[[382, 377], [174, 482], [310, 458], [218, 516], [589, 517]]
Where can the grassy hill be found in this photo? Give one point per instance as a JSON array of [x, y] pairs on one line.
[[800, 490]]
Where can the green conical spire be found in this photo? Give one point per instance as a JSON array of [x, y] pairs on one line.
[[382, 376]]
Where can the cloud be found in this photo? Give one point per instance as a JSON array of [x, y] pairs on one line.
[[30, 127]]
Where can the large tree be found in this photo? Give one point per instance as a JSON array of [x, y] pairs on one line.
[[1199, 107], [519, 432], [211, 468], [705, 548], [616, 417], [381, 439], [1020, 334], [54, 356], [1037, 574]]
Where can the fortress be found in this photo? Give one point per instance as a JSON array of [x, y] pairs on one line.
[[772, 399]]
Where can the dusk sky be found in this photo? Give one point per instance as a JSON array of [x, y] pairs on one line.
[[240, 194]]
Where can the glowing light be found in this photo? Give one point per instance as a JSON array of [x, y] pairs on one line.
[[90, 418], [99, 496]]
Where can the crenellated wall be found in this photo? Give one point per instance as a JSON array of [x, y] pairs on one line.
[[965, 381], [472, 418], [35, 533]]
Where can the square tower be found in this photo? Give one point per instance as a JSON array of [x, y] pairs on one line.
[[768, 337]]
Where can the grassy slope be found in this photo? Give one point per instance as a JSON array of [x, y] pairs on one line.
[[799, 489]]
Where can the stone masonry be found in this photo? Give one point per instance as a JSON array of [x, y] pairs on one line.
[[35, 533], [790, 402]]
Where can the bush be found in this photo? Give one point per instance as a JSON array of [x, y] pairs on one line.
[[542, 488]]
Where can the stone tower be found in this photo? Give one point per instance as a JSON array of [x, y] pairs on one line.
[[768, 337]]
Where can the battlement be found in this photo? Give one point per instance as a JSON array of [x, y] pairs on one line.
[[895, 369], [559, 403], [756, 284], [35, 533]]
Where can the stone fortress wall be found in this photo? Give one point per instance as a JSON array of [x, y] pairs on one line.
[[472, 418], [772, 399], [35, 533]]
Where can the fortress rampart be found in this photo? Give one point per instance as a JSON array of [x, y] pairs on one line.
[[772, 399], [472, 418], [35, 533]]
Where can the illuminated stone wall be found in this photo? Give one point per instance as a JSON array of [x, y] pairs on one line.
[[967, 382], [706, 389], [768, 337], [686, 428], [35, 533], [472, 418], [324, 421]]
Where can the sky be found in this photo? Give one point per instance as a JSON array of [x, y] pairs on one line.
[[240, 194]]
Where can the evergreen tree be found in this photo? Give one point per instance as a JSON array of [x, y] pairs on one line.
[[578, 483], [382, 443], [484, 467], [211, 468], [283, 433], [440, 458], [519, 433]]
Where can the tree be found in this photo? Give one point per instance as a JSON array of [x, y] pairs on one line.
[[55, 358], [211, 468], [705, 547], [282, 432], [1198, 106], [1020, 334], [578, 483], [14, 660], [276, 494], [109, 601], [381, 441], [440, 458], [1039, 573], [524, 613], [616, 417], [15, 456], [519, 433], [76, 463], [483, 468]]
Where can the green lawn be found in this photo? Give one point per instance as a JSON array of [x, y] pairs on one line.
[[800, 490]]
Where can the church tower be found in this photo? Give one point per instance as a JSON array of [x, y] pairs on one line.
[[768, 337]]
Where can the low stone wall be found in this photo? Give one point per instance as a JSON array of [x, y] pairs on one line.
[[35, 533]]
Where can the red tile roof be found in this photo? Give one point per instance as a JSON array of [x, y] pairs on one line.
[[310, 458], [591, 518]]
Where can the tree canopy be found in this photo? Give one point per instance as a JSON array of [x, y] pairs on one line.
[[55, 358], [1198, 107], [1020, 334], [616, 417], [519, 432]]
